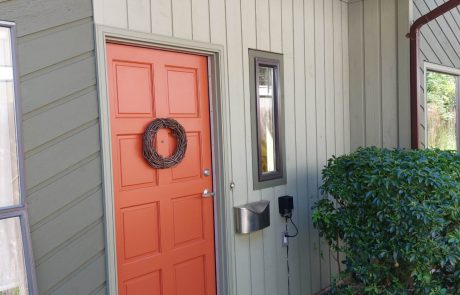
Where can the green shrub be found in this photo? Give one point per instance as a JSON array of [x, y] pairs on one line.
[[397, 214]]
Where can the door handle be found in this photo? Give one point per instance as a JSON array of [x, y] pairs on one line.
[[207, 193]]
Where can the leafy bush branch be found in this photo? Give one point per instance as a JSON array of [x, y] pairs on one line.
[[397, 214]]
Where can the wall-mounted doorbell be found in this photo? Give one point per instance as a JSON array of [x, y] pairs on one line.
[[286, 205]]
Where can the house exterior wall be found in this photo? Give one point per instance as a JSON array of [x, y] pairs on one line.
[[439, 44], [56, 64], [313, 37], [379, 73]]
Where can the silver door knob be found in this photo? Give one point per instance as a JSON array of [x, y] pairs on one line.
[[207, 193]]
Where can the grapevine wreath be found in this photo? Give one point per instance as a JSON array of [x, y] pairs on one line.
[[151, 155]]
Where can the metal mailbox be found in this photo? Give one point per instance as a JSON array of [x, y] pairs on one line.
[[252, 217]]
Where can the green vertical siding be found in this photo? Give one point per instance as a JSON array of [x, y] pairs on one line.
[[56, 64]]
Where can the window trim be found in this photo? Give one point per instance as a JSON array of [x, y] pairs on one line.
[[20, 210], [432, 67], [257, 59]]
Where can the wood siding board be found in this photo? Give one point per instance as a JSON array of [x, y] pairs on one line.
[[218, 22], [440, 25], [101, 291], [311, 261], [427, 31], [93, 275], [200, 20], [67, 80], [263, 24], [372, 78], [277, 43], [64, 262], [60, 120], [117, 16], [272, 234], [428, 51], [321, 118], [451, 24], [357, 101], [51, 161], [338, 104], [346, 80], [276, 34], [32, 18], [338, 78], [404, 11], [61, 193], [257, 244], [329, 43], [441, 38], [287, 35], [161, 17], [58, 230], [456, 16], [182, 19], [237, 129], [139, 15], [62, 44], [303, 49], [389, 80]]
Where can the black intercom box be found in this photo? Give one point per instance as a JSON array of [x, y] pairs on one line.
[[286, 205]]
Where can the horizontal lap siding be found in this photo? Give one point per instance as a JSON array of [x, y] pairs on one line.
[[439, 44], [56, 64], [311, 34]]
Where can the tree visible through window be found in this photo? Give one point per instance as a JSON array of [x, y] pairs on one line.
[[442, 93]]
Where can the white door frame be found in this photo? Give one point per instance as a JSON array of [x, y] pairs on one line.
[[219, 137]]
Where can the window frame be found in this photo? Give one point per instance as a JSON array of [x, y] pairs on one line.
[[20, 210], [431, 67], [259, 59]]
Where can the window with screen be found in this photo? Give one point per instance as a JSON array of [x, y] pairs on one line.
[[16, 266], [266, 86]]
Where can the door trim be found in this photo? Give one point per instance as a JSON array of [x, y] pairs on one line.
[[220, 142]]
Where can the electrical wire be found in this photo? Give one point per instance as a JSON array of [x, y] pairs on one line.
[[295, 226], [287, 235], [287, 259]]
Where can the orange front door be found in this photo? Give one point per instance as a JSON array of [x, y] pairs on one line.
[[164, 224]]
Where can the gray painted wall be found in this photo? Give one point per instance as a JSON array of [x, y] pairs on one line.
[[313, 37], [55, 51], [439, 44], [379, 73]]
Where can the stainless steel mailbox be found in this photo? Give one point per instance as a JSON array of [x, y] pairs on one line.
[[252, 217]]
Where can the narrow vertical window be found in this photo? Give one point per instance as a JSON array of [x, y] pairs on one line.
[[16, 266], [442, 110], [266, 79]]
